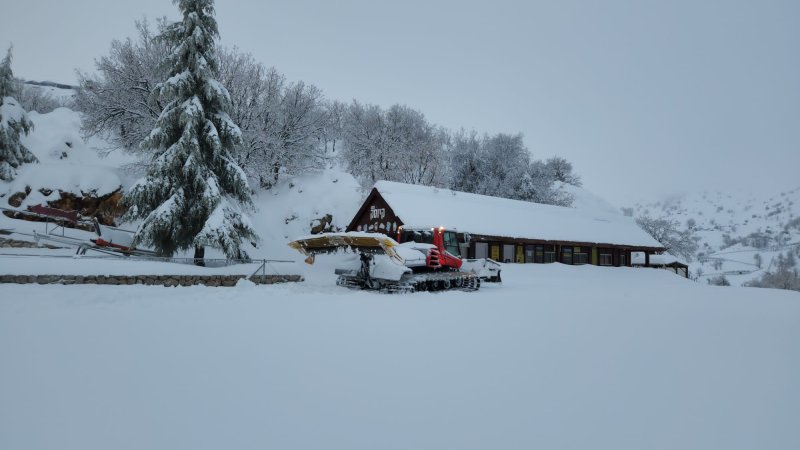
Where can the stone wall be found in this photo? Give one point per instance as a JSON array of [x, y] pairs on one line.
[[13, 243], [151, 280]]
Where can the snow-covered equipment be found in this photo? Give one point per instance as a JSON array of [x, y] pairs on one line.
[[386, 265], [115, 238], [451, 250], [109, 240], [485, 268]]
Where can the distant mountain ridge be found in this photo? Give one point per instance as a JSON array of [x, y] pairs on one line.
[[739, 235]]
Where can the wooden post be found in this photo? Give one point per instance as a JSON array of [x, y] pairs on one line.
[[647, 259], [199, 254]]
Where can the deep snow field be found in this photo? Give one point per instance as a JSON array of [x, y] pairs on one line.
[[556, 357]]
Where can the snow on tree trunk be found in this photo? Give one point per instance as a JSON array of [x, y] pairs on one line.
[[13, 122], [193, 193]]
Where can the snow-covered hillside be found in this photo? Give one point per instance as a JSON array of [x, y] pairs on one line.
[[72, 163], [740, 235], [291, 208]]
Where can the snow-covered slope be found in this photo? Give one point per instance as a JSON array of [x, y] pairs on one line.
[[290, 209], [72, 163], [735, 231]]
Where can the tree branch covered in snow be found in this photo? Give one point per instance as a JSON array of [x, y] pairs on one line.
[[502, 166], [678, 242], [117, 102], [13, 123]]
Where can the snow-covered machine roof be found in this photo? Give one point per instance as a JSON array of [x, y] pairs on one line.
[[424, 206]]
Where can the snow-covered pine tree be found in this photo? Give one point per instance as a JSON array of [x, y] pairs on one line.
[[193, 193], [13, 122]]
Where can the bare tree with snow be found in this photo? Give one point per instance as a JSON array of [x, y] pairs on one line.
[[396, 144], [561, 170], [13, 123], [502, 166], [117, 102], [366, 153], [34, 98], [666, 231], [193, 193]]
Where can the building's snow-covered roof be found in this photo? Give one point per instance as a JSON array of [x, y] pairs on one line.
[[424, 206]]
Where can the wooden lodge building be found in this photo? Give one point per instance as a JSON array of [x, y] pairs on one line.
[[506, 230]]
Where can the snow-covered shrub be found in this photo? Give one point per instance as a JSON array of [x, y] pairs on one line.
[[719, 280], [784, 275], [34, 98]]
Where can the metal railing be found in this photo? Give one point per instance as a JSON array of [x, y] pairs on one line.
[[51, 226], [210, 263]]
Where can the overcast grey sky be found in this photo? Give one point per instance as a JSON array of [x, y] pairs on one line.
[[646, 98]]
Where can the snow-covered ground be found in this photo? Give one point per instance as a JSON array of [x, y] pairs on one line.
[[555, 357], [568, 357]]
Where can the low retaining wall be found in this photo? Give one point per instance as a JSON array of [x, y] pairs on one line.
[[12, 243], [151, 280]]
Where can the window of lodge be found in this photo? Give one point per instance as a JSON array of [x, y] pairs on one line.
[[580, 256], [606, 258], [529, 252], [549, 254], [566, 255]]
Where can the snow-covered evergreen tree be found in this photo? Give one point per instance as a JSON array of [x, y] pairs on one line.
[[13, 122], [193, 193]]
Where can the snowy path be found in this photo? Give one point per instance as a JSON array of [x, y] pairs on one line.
[[556, 357]]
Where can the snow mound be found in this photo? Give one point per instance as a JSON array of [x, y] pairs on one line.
[[67, 162]]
